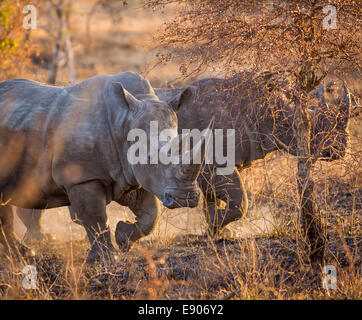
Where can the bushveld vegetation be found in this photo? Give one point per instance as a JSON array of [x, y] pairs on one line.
[[269, 254], [14, 47]]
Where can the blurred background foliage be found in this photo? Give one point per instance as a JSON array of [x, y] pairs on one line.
[[15, 47]]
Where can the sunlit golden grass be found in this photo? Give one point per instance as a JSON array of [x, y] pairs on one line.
[[255, 268]]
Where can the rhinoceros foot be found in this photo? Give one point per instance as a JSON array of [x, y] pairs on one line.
[[216, 224], [126, 235]]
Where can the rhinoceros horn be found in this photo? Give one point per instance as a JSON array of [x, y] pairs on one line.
[[192, 170]]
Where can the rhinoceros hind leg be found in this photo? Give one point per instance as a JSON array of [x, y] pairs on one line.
[[146, 209], [32, 221], [88, 202], [8, 238]]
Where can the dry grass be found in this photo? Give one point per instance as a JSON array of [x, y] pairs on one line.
[[265, 267]]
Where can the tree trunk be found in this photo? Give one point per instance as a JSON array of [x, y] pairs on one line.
[[309, 213], [53, 70], [69, 50]]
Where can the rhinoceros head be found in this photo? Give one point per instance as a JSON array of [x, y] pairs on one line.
[[329, 123], [173, 183]]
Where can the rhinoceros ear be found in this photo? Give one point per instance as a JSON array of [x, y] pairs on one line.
[[132, 103], [186, 93]]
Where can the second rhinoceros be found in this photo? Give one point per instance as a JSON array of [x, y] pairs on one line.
[[260, 110]]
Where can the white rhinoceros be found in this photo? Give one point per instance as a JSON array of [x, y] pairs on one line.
[[62, 146]]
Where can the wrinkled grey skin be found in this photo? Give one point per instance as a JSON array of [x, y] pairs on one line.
[[68, 147], [259, 131]]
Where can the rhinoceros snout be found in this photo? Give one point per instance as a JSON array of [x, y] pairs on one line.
[[188, 199]]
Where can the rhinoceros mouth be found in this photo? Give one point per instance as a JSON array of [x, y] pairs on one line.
[[174, 200]]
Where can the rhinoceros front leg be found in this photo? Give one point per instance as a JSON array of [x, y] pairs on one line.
[[8, 237], [88, 203], [146, 209], [32, 219], [229, 189]]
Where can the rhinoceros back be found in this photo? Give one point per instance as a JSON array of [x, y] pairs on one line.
[[37, 126], [29, 115]]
